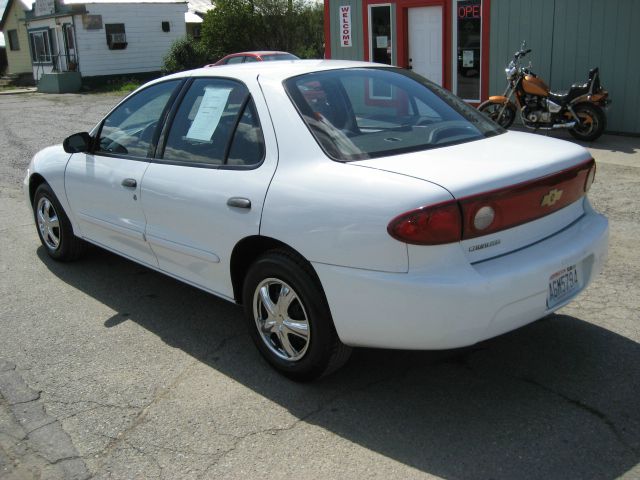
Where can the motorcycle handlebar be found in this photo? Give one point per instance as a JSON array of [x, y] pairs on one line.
[[522, 53]]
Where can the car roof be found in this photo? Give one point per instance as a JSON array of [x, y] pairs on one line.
[[272, 70], [259, 53]]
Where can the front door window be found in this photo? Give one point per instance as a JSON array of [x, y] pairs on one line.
[[129, 130]]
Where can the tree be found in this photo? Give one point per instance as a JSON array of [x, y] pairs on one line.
[[295, 26], [230, 27]]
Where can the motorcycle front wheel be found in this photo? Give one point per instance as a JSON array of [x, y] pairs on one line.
[[493, 109], [592, 122]]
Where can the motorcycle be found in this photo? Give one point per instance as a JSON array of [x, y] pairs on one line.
[[580, 109]]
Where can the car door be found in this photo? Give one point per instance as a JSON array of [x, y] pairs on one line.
[[103, 186], [205, 190]]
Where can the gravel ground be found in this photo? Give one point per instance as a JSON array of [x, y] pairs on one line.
[[110, 370]]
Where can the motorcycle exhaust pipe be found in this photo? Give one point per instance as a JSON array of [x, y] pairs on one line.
[[556, 126], [563, 125]]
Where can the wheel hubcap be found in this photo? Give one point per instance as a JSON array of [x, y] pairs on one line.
[[588, 123], [48, 223], [281, 319], [494, 113]]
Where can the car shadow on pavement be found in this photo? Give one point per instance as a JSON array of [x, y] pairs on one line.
[[556, 399]]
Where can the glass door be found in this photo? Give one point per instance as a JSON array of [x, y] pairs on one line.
[[380, 34], [70, 57], [467, 38]]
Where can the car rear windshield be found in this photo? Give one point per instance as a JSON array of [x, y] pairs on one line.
[[356, 114]]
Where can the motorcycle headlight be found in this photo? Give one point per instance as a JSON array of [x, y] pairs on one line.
[[510, 72]]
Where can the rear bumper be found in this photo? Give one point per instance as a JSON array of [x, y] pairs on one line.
[[464, 304]]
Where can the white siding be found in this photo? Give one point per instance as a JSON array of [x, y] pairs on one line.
[[147, 43]]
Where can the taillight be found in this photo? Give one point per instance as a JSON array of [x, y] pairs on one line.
[[432, 225], [590, 178], [493, 211]]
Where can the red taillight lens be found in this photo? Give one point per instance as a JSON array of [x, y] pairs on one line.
[[590, 178], [432, 225], [526, 201], [493, 211]]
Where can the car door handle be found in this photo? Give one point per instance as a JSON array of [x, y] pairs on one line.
[[239, 202], [129, 182]]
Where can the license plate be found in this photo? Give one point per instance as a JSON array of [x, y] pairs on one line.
[[562, 285]]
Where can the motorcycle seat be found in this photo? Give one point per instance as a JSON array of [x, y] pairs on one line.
[[576, 90]]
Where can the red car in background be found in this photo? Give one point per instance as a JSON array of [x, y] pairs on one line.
[[260, 56]]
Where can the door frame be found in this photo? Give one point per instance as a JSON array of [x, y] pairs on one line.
[[401, 49], [484, 45], [402, 27], [366, 8]]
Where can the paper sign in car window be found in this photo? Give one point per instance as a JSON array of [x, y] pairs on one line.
[[209, 114]]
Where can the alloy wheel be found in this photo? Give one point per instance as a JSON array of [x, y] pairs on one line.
[[48, 223], [281, 319]]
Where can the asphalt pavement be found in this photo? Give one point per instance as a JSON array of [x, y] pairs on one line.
[[111, 370]]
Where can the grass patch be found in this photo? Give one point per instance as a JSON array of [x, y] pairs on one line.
[[7, 88], [121, 86]]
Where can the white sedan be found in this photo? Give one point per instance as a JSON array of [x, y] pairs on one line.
[[341, 203]]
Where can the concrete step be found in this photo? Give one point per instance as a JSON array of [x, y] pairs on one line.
[[11, 77], [16, 79]]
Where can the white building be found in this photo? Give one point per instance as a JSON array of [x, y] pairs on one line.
[[91, 38]]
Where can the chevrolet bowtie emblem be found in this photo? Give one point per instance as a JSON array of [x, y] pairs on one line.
[[550, 198]]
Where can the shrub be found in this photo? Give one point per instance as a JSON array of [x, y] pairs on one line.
[[185, 54]]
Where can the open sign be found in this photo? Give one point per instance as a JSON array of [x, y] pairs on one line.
[[469, 11]]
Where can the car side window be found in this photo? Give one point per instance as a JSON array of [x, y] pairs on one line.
[[247, 146], [234, 60], [129, 129], [215, 124], [249, 59]]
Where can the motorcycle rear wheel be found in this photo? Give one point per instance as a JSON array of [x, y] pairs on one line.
[[593, 122], [493, 109]]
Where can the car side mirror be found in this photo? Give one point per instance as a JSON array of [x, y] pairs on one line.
[[77, 143]]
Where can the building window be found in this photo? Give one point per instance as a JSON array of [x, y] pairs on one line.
[[166, 27], [40, 47], [116, 36], [468, 30], [13, 40], [380, 32]]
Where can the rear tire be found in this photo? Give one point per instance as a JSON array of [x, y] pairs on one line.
[[289, 319], [593, 122], [493, 109], [54, 227]]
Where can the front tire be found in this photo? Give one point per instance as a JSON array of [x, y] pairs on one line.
[[289, 319], [54, 227], [592, 122], [493, 109]]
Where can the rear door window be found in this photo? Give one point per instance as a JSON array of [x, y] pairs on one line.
[[231, 60], [216, 124]]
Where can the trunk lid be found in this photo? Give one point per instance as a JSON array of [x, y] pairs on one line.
[[486, 169]]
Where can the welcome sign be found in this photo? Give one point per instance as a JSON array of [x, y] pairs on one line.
[[345, 26]]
